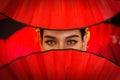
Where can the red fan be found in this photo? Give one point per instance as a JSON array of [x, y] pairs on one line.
[[60, 65], [105, 41], [65, 14], [18, 39]]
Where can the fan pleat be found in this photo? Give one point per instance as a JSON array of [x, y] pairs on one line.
[[53, 65]]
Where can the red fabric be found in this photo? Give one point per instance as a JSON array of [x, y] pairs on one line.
[[101, 36], [61, 65], [54, 14], [27, 40], [21, 43], [60, 14], [102, 43]]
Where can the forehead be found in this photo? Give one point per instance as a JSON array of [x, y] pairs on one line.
[[61, 33]]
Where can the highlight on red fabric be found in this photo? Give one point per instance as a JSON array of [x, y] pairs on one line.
[[60, 65], [60, 14]]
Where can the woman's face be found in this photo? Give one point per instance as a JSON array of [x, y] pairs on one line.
[[62, 40]]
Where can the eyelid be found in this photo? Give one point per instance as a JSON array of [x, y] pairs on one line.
[[72, 40], [50, 41], [75, 41]]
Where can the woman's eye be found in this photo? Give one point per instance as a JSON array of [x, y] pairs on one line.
[[50, 42], [71, 42]]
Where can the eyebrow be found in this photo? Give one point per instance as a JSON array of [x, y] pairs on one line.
[[47, 36], [71, 36]]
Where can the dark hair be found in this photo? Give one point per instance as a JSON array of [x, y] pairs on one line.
[[82, 31]]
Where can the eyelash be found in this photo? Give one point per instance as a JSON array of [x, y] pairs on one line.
[[72, 41], [51, 42]]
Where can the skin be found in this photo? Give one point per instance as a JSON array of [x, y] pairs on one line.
[[63, 40]]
